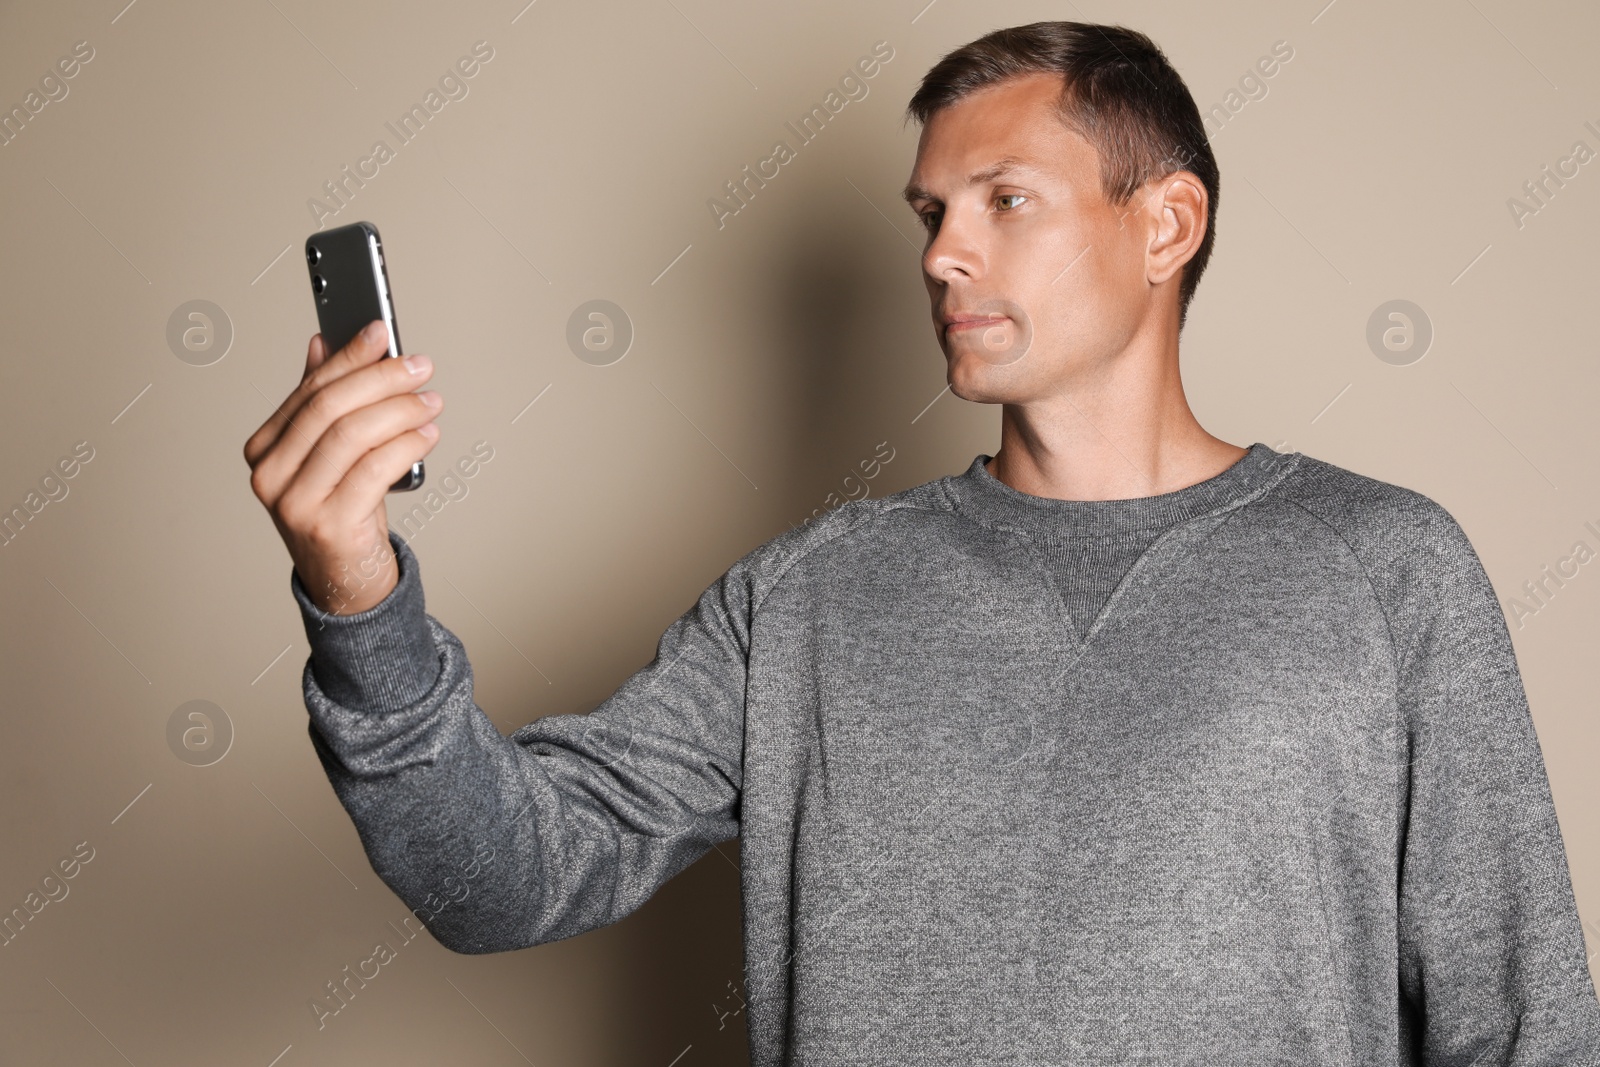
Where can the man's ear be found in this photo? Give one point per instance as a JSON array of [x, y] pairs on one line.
[[1179, 226]]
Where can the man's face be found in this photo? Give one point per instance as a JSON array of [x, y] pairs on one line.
[[1051, 273]]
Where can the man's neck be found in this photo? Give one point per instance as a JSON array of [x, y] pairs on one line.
[[1129, 434]]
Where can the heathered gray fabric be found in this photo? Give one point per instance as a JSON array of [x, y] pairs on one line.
[[1085, 570], [1283, 805]]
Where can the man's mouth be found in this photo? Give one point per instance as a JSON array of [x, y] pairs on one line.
[[961, 322], [994, 330]]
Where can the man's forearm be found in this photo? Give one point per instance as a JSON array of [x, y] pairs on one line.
[[499, 843]]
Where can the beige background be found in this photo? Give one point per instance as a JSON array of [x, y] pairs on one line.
[[772, 356]]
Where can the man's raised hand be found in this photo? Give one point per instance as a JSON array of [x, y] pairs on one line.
[[323, 462]]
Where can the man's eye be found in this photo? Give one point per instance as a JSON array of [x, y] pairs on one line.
[[1008, 196], [929, 220]]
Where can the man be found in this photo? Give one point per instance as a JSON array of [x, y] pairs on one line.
[[1125, 745]]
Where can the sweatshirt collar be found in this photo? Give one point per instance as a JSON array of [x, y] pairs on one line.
[[986, 499]]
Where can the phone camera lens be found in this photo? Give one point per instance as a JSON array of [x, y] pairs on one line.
[[319, 284], [313, 255]]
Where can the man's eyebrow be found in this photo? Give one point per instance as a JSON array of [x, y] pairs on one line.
[[994, 170]]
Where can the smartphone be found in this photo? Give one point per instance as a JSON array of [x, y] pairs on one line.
[[351, 287]]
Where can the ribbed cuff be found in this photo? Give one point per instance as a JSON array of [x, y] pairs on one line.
[[379, 659]]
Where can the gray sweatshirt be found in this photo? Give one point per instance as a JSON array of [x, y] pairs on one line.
[[1279, 802]]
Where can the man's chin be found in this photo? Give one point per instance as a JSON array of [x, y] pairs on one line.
[[981, 383]]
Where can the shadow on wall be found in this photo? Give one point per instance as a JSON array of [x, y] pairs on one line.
[[679, 967], [847, 293]]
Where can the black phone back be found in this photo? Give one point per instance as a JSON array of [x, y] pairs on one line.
[[354, 286], [350, 284]]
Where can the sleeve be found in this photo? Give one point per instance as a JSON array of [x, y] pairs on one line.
[[1492, 966], [570, 823]]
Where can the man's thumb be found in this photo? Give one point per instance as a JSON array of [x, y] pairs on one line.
[[316, 353]]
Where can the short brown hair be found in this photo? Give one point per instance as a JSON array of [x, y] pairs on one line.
[[1119, 93]]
